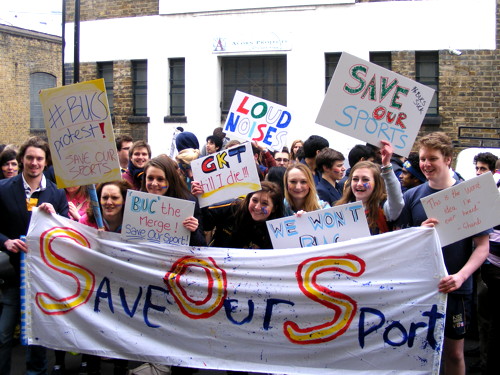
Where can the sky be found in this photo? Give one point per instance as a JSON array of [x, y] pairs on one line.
[[39, 15]]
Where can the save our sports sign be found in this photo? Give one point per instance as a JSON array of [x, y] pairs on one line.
[[369, 305]]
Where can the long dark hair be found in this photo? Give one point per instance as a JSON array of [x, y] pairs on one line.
[[243, 216], [177, 186]]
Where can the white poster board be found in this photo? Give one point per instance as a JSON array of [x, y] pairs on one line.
[[327, 226], [251, 118], [80, 133], [226, 174], [156, 218], [370, 103], [464, 209]]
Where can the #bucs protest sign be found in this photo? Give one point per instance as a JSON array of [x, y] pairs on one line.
[[226, 174], [255, 119], [369, 305], [335, 224], [371, 103], [156, 218], [80, 132]]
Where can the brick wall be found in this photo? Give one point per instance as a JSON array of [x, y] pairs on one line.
[[23, 52], [105, 9], [123, 112]]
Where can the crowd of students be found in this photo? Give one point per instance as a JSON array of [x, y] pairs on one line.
[[309, 176]]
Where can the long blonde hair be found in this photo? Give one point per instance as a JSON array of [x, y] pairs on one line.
[[311, 202]]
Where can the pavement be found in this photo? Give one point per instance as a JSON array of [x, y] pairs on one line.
[[73, 362]]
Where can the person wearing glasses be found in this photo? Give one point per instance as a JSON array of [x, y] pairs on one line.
[[282, 158]]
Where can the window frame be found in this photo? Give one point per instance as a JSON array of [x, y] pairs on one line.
[[37, 121], [140, 87], [272, 85], [177, 86]]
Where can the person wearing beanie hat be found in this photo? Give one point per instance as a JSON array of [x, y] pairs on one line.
[[186, 140], [411, 174]]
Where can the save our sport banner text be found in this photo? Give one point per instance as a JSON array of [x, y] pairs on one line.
[[369, 305]]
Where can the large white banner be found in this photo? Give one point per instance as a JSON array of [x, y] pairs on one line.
[[368, 305]]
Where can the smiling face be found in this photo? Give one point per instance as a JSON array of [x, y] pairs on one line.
[[111, 202], [10, 168], [260, 206], [140, 156], [34, 162], [297, 184], [156, 181], [434, 165], [362, 184]]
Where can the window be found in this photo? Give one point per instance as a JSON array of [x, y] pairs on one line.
[[38, 81], [331, 62], [140, 87], [177, 87], [105, 70], [382, 59], [427, 73], [262, 76]]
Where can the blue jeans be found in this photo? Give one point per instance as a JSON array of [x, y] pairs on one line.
[[36, 358]]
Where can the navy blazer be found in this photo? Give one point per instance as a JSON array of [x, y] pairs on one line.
[[327, 192], [14, 216]]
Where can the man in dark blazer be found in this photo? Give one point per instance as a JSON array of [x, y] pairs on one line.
[[18, 196]]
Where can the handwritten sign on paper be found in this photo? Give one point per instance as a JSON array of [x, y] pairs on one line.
[[371, 103], [464, 209], [251, 118], [80, 133], [335, 224], [156, 218], [226, 174]]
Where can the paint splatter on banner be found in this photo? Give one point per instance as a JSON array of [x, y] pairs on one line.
[[369, 305]]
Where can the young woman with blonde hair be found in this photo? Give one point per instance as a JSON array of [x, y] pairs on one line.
[[300, 191]]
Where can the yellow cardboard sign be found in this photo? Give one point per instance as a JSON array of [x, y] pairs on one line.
[[80, 134]]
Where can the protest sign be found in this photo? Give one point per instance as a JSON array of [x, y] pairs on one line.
[[80, 133], [331, 225], [371, 103], [226, 174], [251, 118], [369, 305], [156, 218], [464, 209]]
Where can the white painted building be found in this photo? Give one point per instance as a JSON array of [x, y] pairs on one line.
[[301, 30]]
